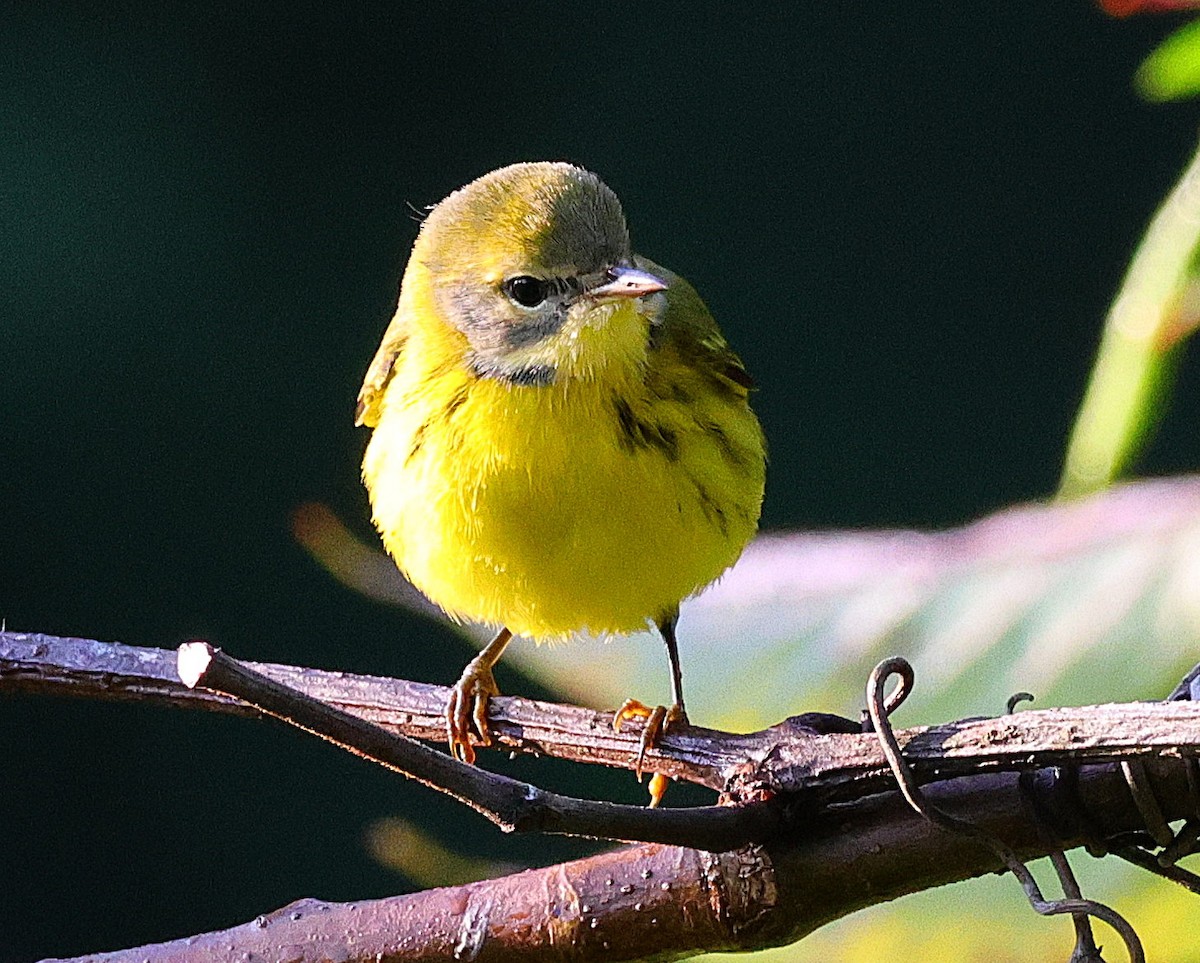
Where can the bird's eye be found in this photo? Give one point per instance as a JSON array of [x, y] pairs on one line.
[[527, 291]]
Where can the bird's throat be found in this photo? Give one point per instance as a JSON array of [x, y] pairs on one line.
[[606, 343]]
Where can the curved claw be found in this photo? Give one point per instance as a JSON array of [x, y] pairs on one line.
[[655, 724], [468, 704], [657, 721], [658, 789]]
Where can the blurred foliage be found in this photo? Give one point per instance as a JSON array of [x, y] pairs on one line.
[[1172, 71], [405, 847], [1156, 307], [1154, 311]]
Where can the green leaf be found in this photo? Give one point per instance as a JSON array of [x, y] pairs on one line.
[[1172, 72], [1145, 324]]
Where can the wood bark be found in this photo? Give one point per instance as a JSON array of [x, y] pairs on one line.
[[1040, 781]]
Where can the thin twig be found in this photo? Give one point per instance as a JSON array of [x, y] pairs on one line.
[[1086, 950], [1147, 861], [513, 805]]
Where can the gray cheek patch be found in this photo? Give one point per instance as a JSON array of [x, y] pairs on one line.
[[467, 306], [495, 331], [538, 327], [494, 326]]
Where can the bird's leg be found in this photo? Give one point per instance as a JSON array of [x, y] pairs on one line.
[[659, 718], [667, 628], [469, 699]]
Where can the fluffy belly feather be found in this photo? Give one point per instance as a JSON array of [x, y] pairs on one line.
[[548, 510]]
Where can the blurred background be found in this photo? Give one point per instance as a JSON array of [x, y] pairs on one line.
[[909, 219]]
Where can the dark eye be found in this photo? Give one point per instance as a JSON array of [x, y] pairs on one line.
[[527, 291]]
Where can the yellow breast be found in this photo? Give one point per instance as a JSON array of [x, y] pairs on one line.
[[586, 504]]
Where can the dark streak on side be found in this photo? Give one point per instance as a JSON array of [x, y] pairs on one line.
[[418, 439], [712, 511], [731, 454], [738, 375], [456, 401], [724, 387], [680, 394], [636, 434]]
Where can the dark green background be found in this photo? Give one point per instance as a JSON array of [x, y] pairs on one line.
[[908, 218]]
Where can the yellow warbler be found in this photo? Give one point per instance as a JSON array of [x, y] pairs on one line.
[[562, 440]]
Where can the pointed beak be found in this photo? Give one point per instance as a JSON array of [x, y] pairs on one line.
[[627, 282]]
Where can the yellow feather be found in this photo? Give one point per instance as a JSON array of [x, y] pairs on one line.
[[596, 501]]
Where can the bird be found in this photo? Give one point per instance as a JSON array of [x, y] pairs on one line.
[[561, 438]]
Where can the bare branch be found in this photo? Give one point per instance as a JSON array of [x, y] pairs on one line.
[[51, 665], [651, 900], [511, 804], [844, 837], [785, 757]]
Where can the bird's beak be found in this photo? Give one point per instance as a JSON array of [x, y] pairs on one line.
[[627, 282]]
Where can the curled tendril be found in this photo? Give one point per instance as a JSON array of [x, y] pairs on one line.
[[878, 708]]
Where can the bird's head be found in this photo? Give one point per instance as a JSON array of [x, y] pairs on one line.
[[532, 264]]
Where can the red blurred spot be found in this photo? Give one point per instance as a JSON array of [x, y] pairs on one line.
[[1126, 8]]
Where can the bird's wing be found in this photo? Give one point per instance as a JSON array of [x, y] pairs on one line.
[[370, 396], [688, 328]]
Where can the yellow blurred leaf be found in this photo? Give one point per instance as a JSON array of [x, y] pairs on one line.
[[406, 848]]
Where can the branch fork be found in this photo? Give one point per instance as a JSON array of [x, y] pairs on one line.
[[816, 828]]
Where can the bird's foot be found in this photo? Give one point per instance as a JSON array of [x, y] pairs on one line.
[[468, 703], [657, 721]]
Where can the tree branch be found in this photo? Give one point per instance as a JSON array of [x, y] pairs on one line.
[[511, 804], [786, 757], [651, 900], [51, 665], [842, 838]]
